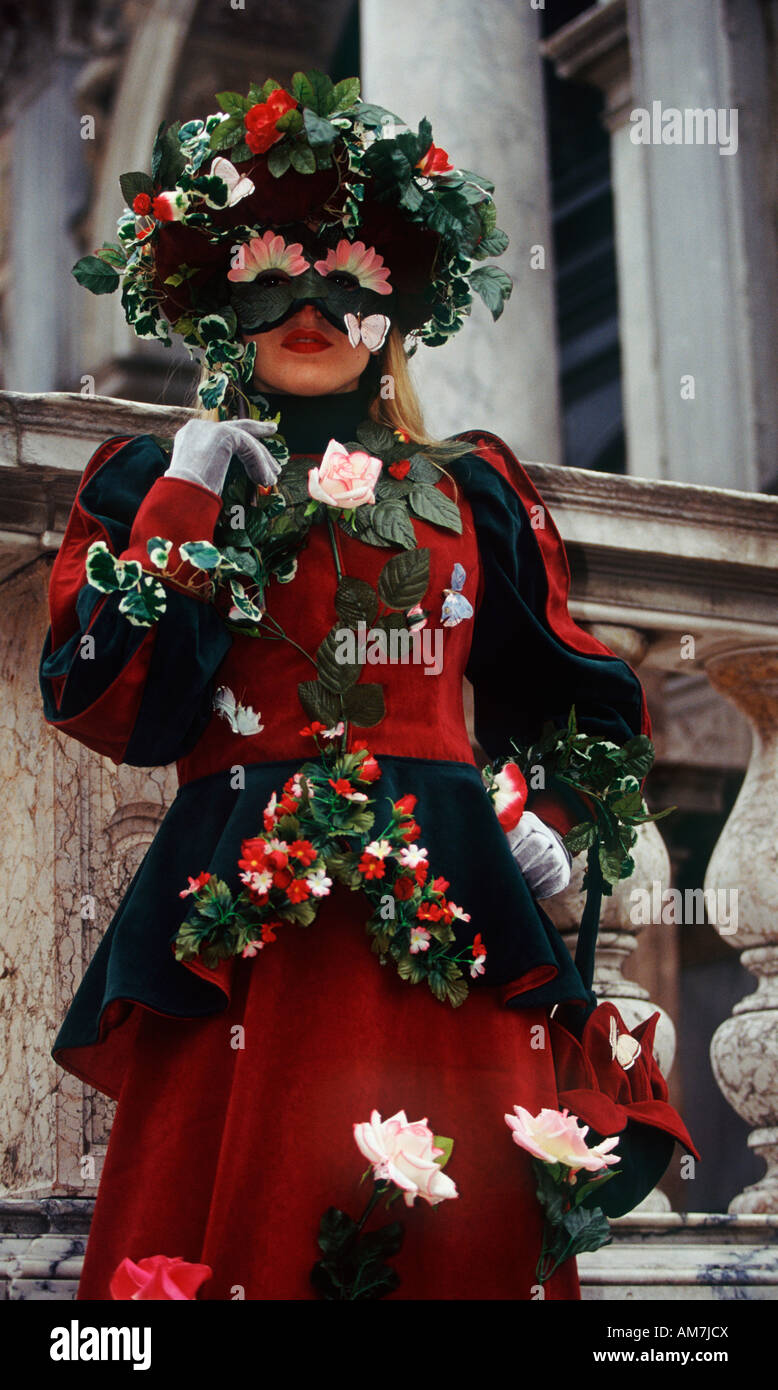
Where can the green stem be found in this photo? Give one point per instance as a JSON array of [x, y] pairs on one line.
[[267, 617], [339, 573]]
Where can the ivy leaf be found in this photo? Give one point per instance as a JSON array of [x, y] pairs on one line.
[[391, 520], [337, 675], [201, 554], [493, 286], [95, 275], [404, 579], [158, 550], [134, 183], [145, 605], [364, 705], [433, 505], [355, 601], [319, 702]]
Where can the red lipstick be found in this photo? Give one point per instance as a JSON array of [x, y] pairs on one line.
[[305, 340]]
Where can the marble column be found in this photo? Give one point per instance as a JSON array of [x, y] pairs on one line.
[[695, 234], [744, 1049], [476, 72]]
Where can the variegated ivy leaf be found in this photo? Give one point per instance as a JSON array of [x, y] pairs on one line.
[[159, 550], [243, 603], [212, 391], [201, 554], [145, 605], [216, 328], [285, 573], [108, 574]]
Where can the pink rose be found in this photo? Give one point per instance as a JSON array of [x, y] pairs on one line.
[[343, 479], [404, 1154], [158, 1277], [556, 1137]]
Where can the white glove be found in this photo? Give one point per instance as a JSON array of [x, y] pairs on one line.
[[202, 450], [541, 855]]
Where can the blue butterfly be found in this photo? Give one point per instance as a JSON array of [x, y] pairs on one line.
[[455, 605]]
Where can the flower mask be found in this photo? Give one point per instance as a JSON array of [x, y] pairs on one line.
[[271, 280]]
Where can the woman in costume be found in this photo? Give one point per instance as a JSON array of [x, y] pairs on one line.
[[230, 605]]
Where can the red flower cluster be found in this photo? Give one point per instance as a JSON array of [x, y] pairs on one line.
[[260, 121], [286, 868], [141, 204]]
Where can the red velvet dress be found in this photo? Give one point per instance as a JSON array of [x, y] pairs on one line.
[[238, 1089]]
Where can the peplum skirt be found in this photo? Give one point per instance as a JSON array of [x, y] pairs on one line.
[[233, 1133]]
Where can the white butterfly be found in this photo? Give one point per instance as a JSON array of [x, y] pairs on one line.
[[241, 718], [624, 1047], [455, 605], [371, 331]]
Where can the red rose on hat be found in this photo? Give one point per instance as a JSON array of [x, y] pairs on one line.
[[260, 121]]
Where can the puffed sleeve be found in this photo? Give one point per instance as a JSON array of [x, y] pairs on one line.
[[529, 662], [138, 695]]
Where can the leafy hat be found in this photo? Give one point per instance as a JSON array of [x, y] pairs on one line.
[[272, 177]]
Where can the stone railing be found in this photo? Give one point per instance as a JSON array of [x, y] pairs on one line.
[[670, 575]]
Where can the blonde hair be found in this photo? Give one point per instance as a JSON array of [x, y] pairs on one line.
[[401, 410]]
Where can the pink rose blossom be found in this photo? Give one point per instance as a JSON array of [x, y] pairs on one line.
[[343, 479], [404, 1153], [158, 1277], [556, 1137]]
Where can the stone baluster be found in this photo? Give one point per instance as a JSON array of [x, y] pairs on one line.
[[744, 867]]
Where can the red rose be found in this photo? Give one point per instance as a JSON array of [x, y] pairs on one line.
[[435, 161], [141, 204], [410, 832], [158, 1277], [369, 771], [261, 120], [399, 469], [405, 805]]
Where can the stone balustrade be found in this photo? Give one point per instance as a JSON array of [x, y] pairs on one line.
[[676, 577]]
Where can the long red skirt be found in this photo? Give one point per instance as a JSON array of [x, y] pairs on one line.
[[228, 1145]]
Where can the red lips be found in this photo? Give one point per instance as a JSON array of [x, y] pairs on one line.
[[305, 340]]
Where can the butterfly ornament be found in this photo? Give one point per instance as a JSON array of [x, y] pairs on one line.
[[371, 330], [241, 718], [624, 1048], [455, 606]]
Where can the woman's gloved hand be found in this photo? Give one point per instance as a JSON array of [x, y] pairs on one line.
[[541, 855], [202, 450]]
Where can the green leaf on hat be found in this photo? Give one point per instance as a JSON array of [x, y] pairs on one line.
[[492, 245], [302, 159], [291, 121], [227, 133], [233, 103], [134, 183], [345, 93], [279, 159], [168, 159], [320, 132], [322, 88], [494, 287], [95, 275]]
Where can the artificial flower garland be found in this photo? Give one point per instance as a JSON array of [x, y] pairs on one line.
[[320, 829]]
